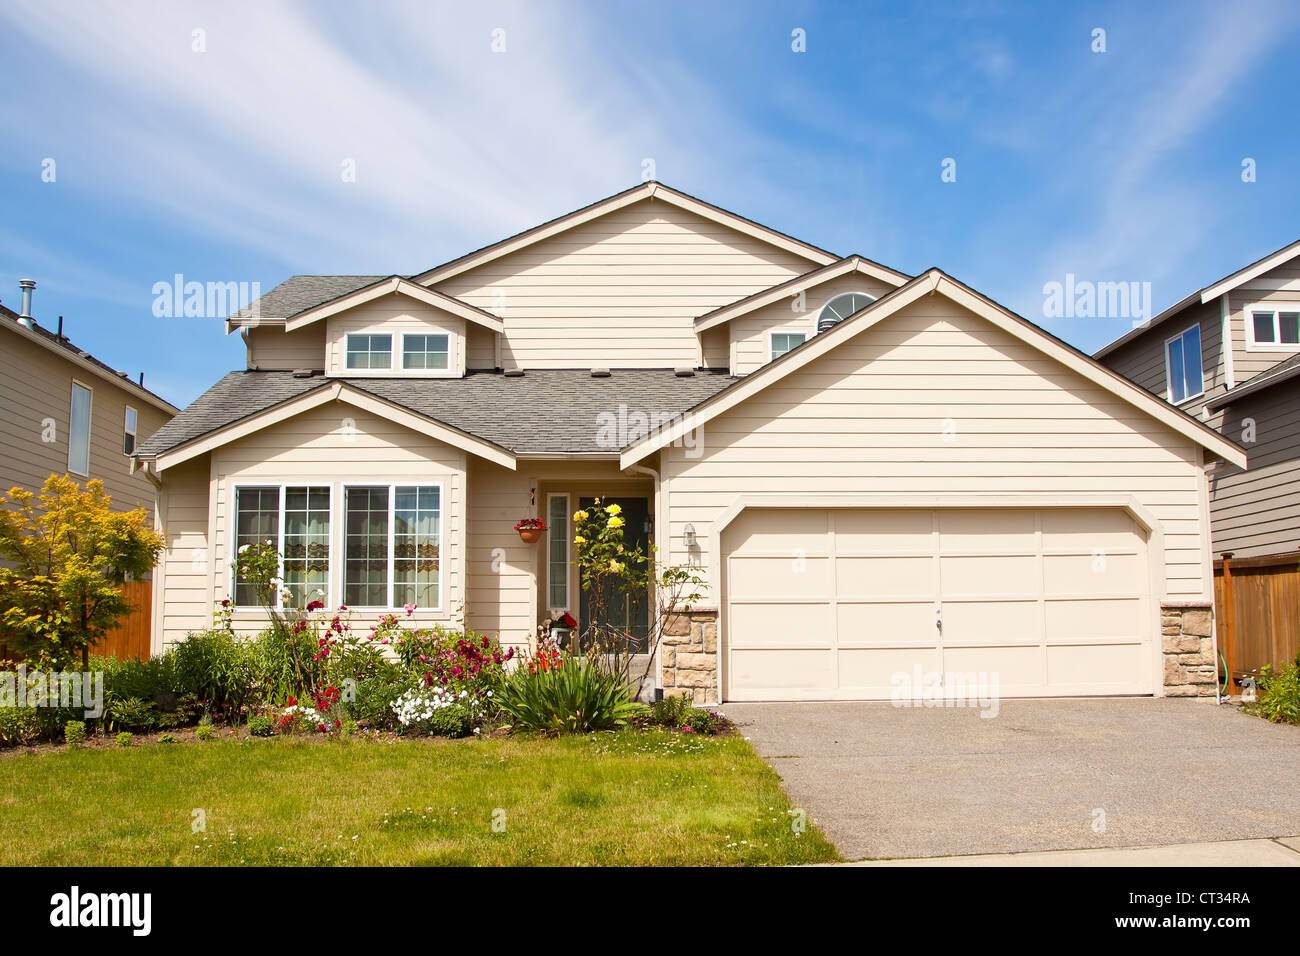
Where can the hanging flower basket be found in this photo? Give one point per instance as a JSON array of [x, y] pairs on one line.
[[530, 530]]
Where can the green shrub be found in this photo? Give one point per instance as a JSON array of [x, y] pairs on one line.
[[701, 721], [376, 695], [453, 721], [283, 662], [168, 739], [131, 712], [347, 728], [217, 669], [204, 731], [566, 694], [124, 738], [74, 732], [18, 725], [1278, 696], [671, 711], [261, 726]]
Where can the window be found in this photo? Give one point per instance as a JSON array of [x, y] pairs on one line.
[[79, 431], [557, 557], [1269, 329], [841, 307], [1183, 365], [296, 521], [370, 351], [783, 342], [424, 351], [128, 431], [392, 545]]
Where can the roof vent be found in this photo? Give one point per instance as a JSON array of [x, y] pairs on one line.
[[303, 373], [684, 371], [600, 373], [26, 286], [514, 373]]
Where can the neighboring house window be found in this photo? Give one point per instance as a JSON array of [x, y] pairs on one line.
[[257, 521], [424, 351], [1272, 330], [79, 430], [1183, 365], [128, 431], [841, 307], [392, 545], [557, 559], [783, 342], [370, 351]]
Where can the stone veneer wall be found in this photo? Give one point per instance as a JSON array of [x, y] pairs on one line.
[[689, 655], [1187, 633]]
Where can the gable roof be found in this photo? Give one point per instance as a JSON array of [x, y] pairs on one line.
[[63, 347], [758, 300], [542, 412], [1201, 296], [300, 293], [1281, 372], [395, 285], [936, 281], [638, 193]]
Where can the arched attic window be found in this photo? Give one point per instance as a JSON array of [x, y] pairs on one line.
[[841, 307]]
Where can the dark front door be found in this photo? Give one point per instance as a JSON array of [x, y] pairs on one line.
[[628, 610]]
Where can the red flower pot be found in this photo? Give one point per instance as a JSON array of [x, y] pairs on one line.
[[530, 535]]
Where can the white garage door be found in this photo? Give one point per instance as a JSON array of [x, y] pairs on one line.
[[834, 605]]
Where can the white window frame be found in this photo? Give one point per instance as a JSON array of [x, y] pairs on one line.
[[127, 415], [369, 368], [771, 342], [817, 316], [1169, 381], [568, 544], [451, 354], [1248, 316], [90, 424], [392, 487], [232, 532]]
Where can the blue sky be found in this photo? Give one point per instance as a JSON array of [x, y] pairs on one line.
[[225, 165]]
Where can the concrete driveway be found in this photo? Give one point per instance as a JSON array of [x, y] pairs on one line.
[[890, 782]]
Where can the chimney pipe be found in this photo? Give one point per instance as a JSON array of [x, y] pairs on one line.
[[25, 314]]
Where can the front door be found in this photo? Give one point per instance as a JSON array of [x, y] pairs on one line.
[[629, 610]]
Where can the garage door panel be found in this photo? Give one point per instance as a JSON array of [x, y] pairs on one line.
[[886, 623], [1091, 574], [782, 576], [885, 577], [780, 624], [1052, 601]]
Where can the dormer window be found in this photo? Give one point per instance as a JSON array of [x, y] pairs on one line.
[[370, 351], [425, 351], [841, 307]]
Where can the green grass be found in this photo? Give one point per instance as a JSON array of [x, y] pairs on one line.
[[623, 798]]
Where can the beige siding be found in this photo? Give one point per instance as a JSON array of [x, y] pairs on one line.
[[480, 347], [183, 603], [1257, 511], [621, 291], [272, 348], [751, 334], [394, 314], [870, 417], [331, 445], [35, 405]]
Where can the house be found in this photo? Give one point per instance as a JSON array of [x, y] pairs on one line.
[[1229, 354], [879, 475], [62, 411]]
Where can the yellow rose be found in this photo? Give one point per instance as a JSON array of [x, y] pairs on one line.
[[580, 516], [616, 522], [579, 539], [614, 510], [614, 565]]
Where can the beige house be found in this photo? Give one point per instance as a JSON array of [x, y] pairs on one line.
[[62, 411], [1249, 390], [883, 478]]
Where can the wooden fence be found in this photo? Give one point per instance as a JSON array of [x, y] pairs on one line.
[[131, 638], [1257, 611]]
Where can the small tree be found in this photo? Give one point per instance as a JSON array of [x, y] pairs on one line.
[[607, 566], [70, 552]]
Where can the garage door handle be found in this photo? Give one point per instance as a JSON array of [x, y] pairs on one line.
[[938, 620]]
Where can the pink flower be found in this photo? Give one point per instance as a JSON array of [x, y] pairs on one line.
[[409, 609]]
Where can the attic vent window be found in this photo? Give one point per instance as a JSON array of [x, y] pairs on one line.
[[841, 307]]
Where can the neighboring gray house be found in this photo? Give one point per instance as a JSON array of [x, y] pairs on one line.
[[1249, 392]]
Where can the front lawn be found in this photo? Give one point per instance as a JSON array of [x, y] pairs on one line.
[[626, 798]]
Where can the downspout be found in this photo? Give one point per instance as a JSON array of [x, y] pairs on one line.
[[661, 529]]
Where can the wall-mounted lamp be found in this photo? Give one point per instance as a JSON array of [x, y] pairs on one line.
[[689, 533]]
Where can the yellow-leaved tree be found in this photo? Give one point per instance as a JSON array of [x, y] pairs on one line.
[[68, 553]]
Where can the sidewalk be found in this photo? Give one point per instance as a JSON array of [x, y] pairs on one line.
[[1281, 851]]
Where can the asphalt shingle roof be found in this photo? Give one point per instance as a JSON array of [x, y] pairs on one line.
[[300, 293], [543, 411]]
